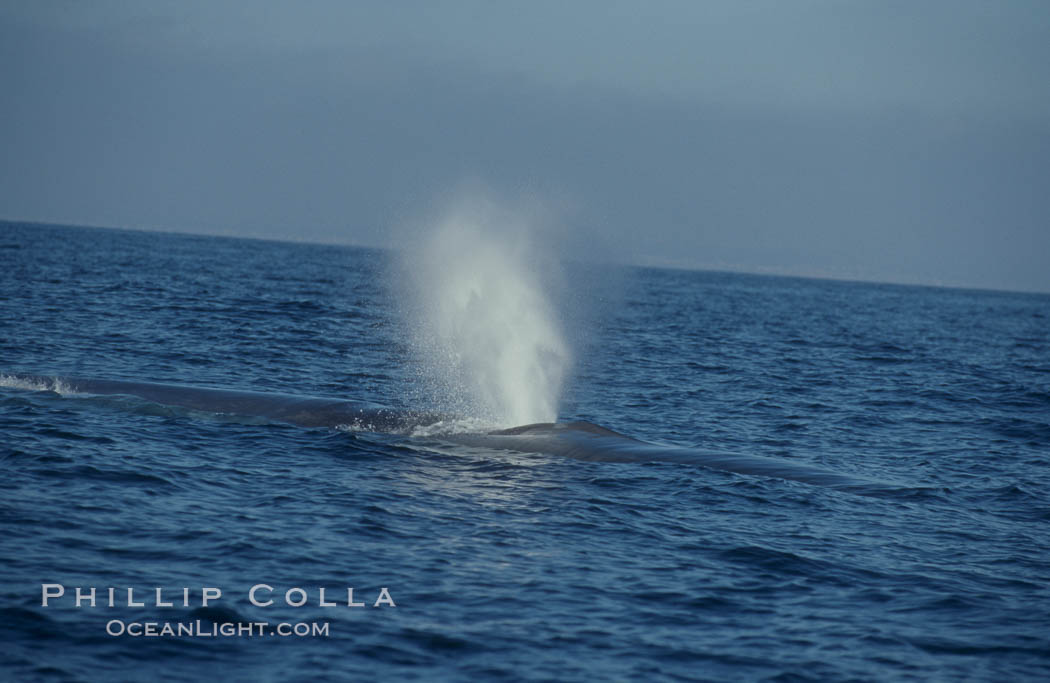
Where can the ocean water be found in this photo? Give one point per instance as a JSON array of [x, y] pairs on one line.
[[503, 565]]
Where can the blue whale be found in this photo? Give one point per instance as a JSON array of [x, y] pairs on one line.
[[305, 411], [577, 440]]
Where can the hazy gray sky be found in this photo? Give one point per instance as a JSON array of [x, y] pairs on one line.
[[900, 141]]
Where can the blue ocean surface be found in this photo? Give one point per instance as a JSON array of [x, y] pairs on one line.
[[483, 563]]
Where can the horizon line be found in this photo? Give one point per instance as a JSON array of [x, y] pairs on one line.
[[642, 262]]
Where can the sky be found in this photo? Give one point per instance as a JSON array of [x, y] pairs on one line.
[[887, 140]]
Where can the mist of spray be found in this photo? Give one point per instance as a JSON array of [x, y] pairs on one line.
[[483, 316], [33, 383]]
